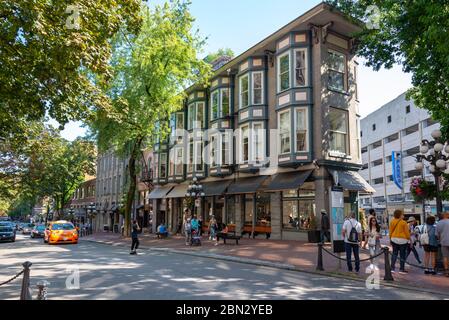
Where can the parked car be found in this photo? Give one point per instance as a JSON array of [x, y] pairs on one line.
[[7, 232], [27, 227], [38, 231], [61, 232]]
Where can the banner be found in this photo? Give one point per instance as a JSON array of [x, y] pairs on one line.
[[396, 160], [337, 218]]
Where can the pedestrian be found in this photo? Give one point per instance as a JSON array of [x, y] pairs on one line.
[[212, 228], [352, 233], [399, 237], [194, 224], [414, 232], [135, 238], [200, 226], [325, 226], [373, 238], [443, 235], [428, 239], [188, 231]]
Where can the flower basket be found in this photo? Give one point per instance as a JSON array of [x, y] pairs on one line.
[[422, 190]]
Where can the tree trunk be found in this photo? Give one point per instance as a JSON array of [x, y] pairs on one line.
[[132, 185]]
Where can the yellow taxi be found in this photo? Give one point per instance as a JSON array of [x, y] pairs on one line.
[[61, 232]]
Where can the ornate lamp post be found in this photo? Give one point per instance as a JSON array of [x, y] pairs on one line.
[[71, 212], [195, 191], [435, 152], [91, 209]]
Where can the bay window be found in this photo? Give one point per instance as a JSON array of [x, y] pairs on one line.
[[219, 104], [224, 110], [215, 104], [213, 151], [191, 153], [245, 144], [199, 155], [337, 70], [258, 141], [284, 72], [225, 150], [244, 91], [338, 130], [195, 116], [301, 77], [284, 132], [179, 152], [301, 134], [257, 82], [163, 166]]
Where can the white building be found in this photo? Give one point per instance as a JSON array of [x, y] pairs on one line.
[[398, 126]]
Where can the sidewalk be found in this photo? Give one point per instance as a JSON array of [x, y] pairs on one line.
[[292, 255]]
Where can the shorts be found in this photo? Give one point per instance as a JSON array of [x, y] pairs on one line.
[[445, 251], [428, 248]]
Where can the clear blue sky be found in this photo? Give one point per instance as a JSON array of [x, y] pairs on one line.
[[240, 24]]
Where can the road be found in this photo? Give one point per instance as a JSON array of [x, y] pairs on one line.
[[111, 273]]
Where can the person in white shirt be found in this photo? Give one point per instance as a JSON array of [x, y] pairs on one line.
[[352, 233]]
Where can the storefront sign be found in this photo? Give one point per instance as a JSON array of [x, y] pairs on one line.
[[397, 168]]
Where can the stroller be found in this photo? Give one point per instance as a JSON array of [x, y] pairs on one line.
[[195, 239]]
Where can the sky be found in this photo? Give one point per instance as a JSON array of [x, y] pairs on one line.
[[240, 24]]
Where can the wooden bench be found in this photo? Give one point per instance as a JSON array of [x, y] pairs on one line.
[[228, 236], [247, 229]]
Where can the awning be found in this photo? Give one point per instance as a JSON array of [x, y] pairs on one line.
[[351, 180], [140, 207], [160, 193], [216, 188], [246, 185], [289, 180], [178, 191]]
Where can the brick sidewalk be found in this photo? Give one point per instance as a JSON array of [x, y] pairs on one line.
[[299, 255]]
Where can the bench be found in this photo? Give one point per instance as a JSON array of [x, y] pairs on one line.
[[228, 236]]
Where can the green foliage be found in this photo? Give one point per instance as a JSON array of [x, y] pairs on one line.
[[221, 52], [49, 68], [414, 34], [151, 71], [422, 189]]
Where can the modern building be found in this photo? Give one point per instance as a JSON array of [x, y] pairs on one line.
[[291, 101], [397, 127], [109, 191]]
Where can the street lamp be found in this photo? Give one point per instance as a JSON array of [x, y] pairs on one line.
[[90, 209], [195, 191], [71, 212], [436, 153]]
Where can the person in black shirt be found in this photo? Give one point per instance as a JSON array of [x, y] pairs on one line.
[[325, 226], [135, 238]]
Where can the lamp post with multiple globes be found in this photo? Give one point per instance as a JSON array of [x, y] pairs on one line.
[[195, 191], [436, 153]]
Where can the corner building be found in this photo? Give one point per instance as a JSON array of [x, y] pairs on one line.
[[300, 81]]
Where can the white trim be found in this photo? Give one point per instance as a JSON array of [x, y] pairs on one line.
[[241, 143], [306, 61], [279, 127], [295, 122], [262, 87], [220, 113], [240, 90], [216, 91], [278, 74], [253, 149]]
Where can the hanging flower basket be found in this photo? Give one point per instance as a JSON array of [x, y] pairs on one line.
[[422, 190]]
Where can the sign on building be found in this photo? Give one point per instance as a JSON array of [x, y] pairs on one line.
[[396, 160], [337, 206]]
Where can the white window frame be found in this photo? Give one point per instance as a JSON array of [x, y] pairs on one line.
[[191, 116], [306, 62], [163, 163], [198, 150], [220, 113], [242, 160], [196, 121], [254, 139], [261, 87], [218, 93], [214, 147], [280, 135], [278, 75], [347, 138], [191, 156], [306, 117], [241, 92], [345, 72]]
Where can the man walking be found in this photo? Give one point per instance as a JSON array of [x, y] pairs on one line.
[[135, 238], [325, 226], [352, 233], [443, 235]]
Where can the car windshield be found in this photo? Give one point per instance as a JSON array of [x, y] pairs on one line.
[[40, 228], [4, 228], [63, 226]]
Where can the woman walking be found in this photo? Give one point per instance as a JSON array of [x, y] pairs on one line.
[[212, 228], [135, 238], [373, 238], [414, 232], [399, 237], [429, 241]]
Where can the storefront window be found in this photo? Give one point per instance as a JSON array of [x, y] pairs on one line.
[[298, 209], [249, 205], [230, 210], [263, 209]]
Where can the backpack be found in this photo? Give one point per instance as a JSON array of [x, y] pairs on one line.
[[353, 235], [424, 237]]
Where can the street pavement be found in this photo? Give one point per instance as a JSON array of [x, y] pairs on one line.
[[111, 273]]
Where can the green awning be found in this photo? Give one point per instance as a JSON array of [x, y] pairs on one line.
[[351, 180], [178, 192], [289, 180], [246, 185], [216, 188]]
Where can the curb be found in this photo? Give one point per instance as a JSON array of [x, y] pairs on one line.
[[277, 265]]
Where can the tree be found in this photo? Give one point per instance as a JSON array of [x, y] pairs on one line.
[[220, 53], [51, 61], [411, 33], [151, 71]]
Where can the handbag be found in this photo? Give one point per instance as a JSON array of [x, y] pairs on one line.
[[424, 237]]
